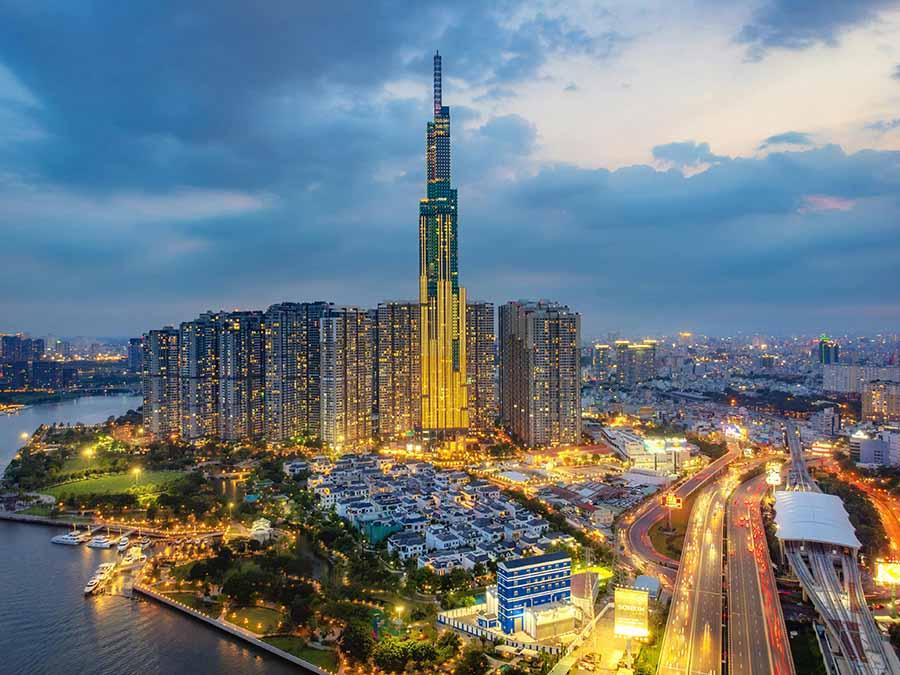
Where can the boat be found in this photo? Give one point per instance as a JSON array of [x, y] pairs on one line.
[[134, 557], [106, 570], [100, 541], [69, 539], [92, 585], [146, 543], [123, 544]]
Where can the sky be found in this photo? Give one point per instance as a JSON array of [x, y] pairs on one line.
[[712, 166]]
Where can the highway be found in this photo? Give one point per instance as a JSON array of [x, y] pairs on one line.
[[693, 637], [757, 638], [635, 540], [830, 577]]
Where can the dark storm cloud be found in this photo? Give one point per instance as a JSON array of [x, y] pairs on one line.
[[800, 24], [787, 138]]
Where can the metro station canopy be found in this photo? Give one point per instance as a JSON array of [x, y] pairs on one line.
[[814, 517]]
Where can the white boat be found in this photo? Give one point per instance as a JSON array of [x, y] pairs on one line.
[[100, 541], [123, 544], [92, 585], [69, 539]]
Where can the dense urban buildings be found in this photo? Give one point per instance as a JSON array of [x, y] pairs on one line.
[[399, 384], [846, 378], [441, 298], [829, 351], [540, 372], [481, 365], [199, 373]]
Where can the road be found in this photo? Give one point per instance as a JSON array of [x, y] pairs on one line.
[[693, 637], [636, 539], [757, 639]]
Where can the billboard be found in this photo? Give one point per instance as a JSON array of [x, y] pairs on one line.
[[632, 612], [671, 501], [887, 573]]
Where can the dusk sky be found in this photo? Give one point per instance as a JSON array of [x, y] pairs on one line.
[[658, 166]]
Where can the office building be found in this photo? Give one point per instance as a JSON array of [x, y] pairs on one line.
[[844, 378], [828, 351], [530, 587], [292, 370], [635, 362], [398, 374], [481, 365], [881, 401], [442, 300], [345, 367], [241, 376], [540, 372], [135, 354], [199, 376], [161, 382]]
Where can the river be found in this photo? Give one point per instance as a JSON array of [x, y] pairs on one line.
[[48, 626]]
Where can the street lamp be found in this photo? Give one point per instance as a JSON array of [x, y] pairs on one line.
[[137, 472]]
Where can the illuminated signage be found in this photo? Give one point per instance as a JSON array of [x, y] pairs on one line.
[[671, 501], [632, 612], [887, 573], [773, 473]]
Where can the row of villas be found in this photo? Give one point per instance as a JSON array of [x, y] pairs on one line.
[[442, 519]]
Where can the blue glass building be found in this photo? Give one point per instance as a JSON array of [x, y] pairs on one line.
[[531, 582]]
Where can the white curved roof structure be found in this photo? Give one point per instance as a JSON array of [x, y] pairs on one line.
[[813, 516]]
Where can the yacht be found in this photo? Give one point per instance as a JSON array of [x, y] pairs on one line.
[[92, 585], [146, 543], [123, 544], [101, 541], [134, 557], [105, 570], [69, 539]]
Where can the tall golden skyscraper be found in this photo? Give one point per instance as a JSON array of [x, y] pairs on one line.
[[442, 300]]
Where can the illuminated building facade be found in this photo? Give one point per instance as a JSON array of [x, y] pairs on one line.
[[829, 351], [345, 367], [635, 362], [398, 369], [540, 372], [527, 583], [602, 361], [881, 401], [161, 382], [241, 376], [199, 376], [292, 377], [442, 300], [481, 365]]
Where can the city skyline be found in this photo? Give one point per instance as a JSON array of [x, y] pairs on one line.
[[162, 187]]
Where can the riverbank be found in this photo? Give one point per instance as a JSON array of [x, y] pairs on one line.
[[29, 398], [229, 628]]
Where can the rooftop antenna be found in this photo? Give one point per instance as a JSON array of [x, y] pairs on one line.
[[437, 84]]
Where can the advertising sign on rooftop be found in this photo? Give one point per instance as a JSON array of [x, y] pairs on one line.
[[632, 612]]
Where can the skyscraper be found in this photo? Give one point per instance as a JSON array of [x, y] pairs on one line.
[[241, 376], [442, 300], [398, 369], [292, 369], [161, 382], [199, 376], [346, 378], [481, 366], [135, 354], [829, 351], [540, 381]]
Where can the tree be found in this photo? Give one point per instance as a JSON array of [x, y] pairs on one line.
[[356, 640], [448, 644], [391, 654], [473, 662]]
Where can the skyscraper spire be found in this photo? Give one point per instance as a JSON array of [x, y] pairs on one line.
[[437, 83]]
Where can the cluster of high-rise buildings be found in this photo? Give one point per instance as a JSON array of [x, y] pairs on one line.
[[349, 375], [624, 363]]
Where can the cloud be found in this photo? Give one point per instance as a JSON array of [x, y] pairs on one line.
[[800, 24], [685, 154], [823, 203], [787, 138], [896, 74], [884, 126], [571, 87]]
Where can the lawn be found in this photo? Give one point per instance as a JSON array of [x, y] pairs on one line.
[[38, 510], [260, 620], [149, 482], [326, 659], [211, 609], [667, 544], [79, 462]]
